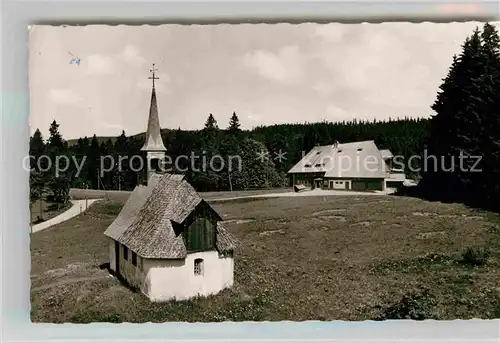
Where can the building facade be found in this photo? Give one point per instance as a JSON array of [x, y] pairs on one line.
[[358, 166]]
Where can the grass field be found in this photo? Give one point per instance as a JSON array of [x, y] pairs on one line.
[[47, 210], [300, 258]]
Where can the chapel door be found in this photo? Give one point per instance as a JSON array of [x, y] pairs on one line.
[[117, 258]]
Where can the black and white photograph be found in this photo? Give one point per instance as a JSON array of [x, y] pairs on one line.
[[264, 172]]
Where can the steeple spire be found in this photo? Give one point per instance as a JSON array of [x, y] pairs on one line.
[[153, 141], [153, 146]]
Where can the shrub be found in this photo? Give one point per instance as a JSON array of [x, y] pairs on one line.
[[95, 317], [474, 256], [38, 220], [496, 313], [417, 305]]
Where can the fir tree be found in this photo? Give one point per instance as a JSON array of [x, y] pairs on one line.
[[55, 141], [466, 122], [37, 149], [211, 123], [234, 124]]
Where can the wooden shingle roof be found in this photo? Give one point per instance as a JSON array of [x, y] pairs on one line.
[[145, 223]]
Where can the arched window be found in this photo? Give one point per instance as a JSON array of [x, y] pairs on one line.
[[198, 266]]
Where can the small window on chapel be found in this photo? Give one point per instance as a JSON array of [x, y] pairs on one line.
[[198, 266], [134, 259], [125, 253]]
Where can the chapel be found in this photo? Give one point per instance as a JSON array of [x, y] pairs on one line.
[[167, 241]]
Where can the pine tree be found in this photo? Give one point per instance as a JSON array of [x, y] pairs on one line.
[[211, 123], [234, 124], [55, 141], [57, 180], [93, 163], [37, 149], [210, 141], [121, 144], [466, 112], [490, 144]]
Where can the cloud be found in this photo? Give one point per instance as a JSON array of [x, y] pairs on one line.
[[285, 66], [253, 117], [64, 96], [100, 65], [335, 113], [323, 88], [131, 56], [331, 32]]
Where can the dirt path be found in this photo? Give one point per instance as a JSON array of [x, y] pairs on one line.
[[315, 192], [69, 281], [78, 207]]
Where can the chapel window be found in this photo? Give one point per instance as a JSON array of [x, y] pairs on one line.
[[198, 266]]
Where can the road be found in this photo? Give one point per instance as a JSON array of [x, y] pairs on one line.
[[77, 208]]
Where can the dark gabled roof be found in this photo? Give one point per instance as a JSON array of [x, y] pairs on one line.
[[145, 223]]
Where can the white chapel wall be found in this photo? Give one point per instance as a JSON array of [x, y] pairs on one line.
[[176, 278]]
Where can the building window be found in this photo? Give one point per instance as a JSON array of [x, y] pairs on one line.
[[125, 253], [198, 266], [155, 162], [134, 259]]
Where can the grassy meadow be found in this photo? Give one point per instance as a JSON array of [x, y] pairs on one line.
[[300, 258]]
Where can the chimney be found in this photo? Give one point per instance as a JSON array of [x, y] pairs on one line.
[[336, 144]]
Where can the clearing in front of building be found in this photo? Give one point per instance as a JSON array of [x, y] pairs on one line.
[[299, 258]]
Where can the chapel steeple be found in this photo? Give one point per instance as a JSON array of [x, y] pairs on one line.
[[153, 146]]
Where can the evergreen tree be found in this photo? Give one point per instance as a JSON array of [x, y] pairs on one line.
[[210, 142], [491, 119], [121, 146], [211, 123], [466, 123], [57, 180], [234, 124], [55, 142], [37, 149]]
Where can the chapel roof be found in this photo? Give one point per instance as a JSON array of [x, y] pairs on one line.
[[146, 223]]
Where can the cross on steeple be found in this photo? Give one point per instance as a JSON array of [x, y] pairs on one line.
[[153, 76]]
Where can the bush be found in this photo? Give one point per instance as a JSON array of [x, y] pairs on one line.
[[474, 256], [496, 313], [38, 220], [95, 317], [415, 305]]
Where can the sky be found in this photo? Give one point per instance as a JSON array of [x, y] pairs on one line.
[[266, 73]]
